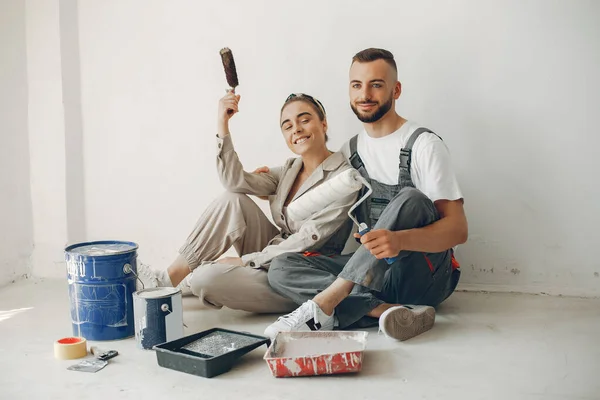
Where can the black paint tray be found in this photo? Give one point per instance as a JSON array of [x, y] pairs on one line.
[[208, 353]]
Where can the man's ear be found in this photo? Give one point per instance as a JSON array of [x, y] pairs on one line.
[[397, 90]]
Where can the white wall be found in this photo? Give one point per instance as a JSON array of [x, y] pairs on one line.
[[16, 238], [511, 87], [46, 137]]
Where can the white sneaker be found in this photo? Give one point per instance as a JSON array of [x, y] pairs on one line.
[[308, 317], [151, 278], [404, 322]]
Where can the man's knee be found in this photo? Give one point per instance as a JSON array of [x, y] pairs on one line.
[[411, 209], [412, 197]]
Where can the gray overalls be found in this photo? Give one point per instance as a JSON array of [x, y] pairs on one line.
[[414, 278]]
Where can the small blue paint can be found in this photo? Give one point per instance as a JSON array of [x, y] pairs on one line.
[[158, 316], [102, 280]]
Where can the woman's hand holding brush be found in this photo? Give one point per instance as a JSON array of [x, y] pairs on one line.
[[228, 106]]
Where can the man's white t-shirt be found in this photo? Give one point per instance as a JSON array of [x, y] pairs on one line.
[[431, 167]]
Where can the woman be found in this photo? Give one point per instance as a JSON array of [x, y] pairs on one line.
[[235, 220]]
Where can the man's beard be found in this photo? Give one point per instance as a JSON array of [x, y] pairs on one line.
[[377, 114]]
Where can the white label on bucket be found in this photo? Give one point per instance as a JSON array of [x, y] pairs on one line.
[[76, 266], [139, 315], [174, 320]]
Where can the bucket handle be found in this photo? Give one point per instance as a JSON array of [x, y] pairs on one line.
[[127, 269]]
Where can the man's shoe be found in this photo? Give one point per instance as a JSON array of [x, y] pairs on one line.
[[404, 322]]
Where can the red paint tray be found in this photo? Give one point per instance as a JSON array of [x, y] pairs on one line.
[[316, 353]]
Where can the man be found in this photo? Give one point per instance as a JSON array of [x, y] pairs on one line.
[[415, 214]]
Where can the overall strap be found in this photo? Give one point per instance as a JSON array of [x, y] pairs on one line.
[[355, 159], [404, 178]]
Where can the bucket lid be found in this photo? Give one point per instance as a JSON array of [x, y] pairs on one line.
[[102, 248], [157, 293]]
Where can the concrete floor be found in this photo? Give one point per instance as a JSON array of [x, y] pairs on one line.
[[483, 346]]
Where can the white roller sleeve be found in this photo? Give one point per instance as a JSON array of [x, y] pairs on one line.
[[322, 196]]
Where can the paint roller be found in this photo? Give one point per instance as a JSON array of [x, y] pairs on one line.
[[343, 184]]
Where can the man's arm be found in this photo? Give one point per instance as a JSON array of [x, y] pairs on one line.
[[450, 230]]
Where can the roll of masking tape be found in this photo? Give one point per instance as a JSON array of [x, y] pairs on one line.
[[70, 348]]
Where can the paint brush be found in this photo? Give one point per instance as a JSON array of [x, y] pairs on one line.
[[230, 71], [229, 66]]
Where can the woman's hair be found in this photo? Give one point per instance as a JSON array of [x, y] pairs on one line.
[[316, 104]]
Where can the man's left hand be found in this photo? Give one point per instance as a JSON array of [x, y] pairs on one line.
[[382, 243], [262, 170], [231, 261]]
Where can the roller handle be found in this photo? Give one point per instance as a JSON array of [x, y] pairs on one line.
[[362, 229]]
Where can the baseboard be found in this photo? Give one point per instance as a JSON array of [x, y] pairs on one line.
[[462, 287], [529, 289]]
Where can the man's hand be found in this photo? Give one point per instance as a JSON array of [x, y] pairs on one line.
[[231, 261], [261, 170], [382, 243], [229, 102]]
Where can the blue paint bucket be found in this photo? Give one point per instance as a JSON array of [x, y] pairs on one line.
[[102, 281]]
